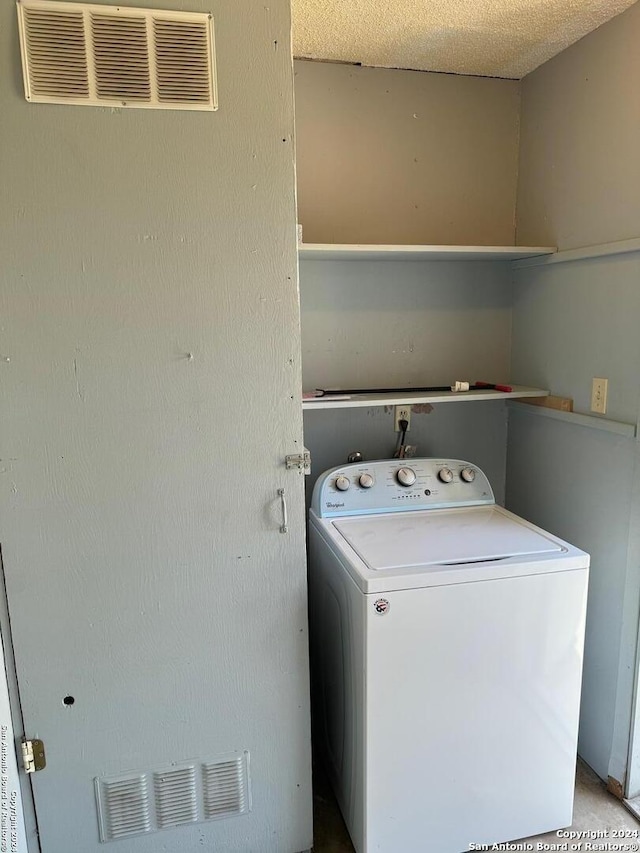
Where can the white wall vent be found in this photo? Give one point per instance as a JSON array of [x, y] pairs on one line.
[[73, 53], [225, 788], [177, 795], [123, 806]]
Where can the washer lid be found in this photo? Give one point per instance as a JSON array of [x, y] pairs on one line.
[[440, 538]]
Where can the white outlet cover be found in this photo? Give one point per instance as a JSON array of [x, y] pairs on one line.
[[599, 389]]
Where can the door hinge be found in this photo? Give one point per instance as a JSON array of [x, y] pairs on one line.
[[301, 461], [33, 757]]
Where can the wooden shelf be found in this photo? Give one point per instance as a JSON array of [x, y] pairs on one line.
[[331, 252], [370, 400]]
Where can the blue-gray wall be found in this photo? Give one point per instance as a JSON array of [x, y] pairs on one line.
[[579, 174], [579, 185], [473, 431], [387, 323], [392, 156], [573, 321]]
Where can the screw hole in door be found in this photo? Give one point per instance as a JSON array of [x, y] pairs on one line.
[[68, 700]]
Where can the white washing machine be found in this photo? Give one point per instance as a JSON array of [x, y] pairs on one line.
[[447, 638]]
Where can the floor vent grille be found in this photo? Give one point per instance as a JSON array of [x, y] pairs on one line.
[[172, 796], [75, 53]]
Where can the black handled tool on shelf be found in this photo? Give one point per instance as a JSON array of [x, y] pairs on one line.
[[431, 389]]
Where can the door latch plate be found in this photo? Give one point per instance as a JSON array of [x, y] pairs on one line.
[[301, 461]]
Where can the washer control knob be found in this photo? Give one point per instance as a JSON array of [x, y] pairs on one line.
[[406, 476], [342, 483], [366, 481], [468, 475], [445, 475]]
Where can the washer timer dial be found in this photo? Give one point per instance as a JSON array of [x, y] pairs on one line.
[[406, 476]]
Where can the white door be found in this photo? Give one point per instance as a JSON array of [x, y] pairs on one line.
[[150, 391]]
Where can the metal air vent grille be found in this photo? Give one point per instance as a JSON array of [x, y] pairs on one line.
[[176, 795], [55, 43], [123, 807], [121, 57], [93, 55], [225, 788], [181, 61]]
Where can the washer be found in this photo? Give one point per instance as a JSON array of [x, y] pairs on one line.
[[447, 637]]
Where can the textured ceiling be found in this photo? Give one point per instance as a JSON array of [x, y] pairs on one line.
[[494, 38]]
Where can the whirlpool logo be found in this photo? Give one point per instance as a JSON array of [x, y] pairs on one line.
[[331, 505]]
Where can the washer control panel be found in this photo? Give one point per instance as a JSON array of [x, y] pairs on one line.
[[397, 485]]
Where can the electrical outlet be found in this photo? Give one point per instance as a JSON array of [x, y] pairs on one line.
[[401, 413], [599, 389]]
